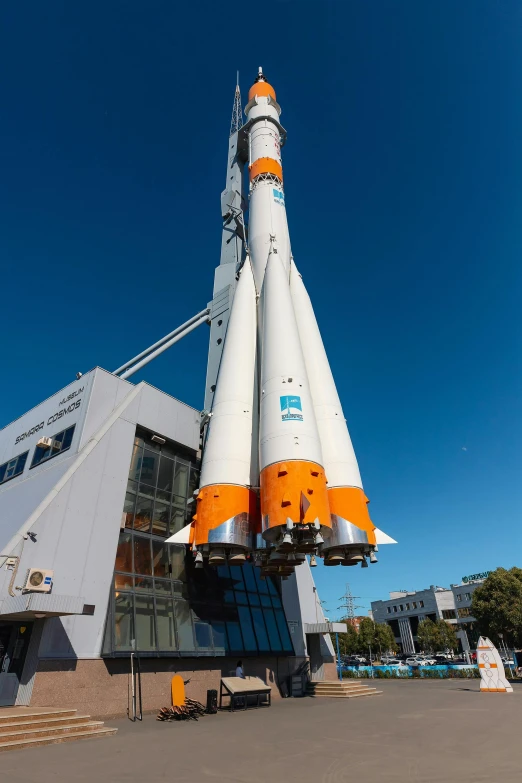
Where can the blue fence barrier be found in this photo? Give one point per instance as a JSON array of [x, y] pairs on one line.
[[407, 671]]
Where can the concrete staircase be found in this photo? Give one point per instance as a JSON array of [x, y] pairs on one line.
[[335, 689], [24, 727]]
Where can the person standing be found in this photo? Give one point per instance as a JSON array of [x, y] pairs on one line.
[[239, 670]]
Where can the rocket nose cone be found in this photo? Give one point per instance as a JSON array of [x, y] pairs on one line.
[[261, 88]]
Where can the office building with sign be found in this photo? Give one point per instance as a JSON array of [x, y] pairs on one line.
[[92, 483], [467, 634], [403, 612]]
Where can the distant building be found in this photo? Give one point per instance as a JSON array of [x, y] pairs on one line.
[[403, 612], [355, 621], [463, 592]]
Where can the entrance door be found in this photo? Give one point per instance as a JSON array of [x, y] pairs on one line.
[[313, 644], [14, 642]]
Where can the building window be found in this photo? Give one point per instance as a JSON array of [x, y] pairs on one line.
[[388, 609], [421, 604], [414, 604], [464, 612], [449, 614], [467, 596], [459, 597], [58, 443], [394, 608], [401, 607], [160, 603], [407, 607], [13, 468]]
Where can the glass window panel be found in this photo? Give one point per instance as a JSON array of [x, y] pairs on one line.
[[124, 553], [262, 585], [160, 559], [184, 626], [142, 562], [162, 586], [177, 520], [246, 629], [223, 572], [132, 486], [272, 587], [123, 582], [22, 459], [203, 638], [283, 630], [123, 622], [271, 627], [147, 491], [237, 577], [248, 576], [180, 590], [135, 466], [2, 471], [265, 601], [235, 640], [179, 501], [160, 519], [219, 636], [128, 508], [164, 497], [145, 636], [241, 598], [67, 440], [149, 468], [138, 441], [228, 597], [193, 482], [165, 474], [143, 514], [276, 602], [181, 479], [259, 627], [177, 562], [166, 624], [254, 599], [144, 584]]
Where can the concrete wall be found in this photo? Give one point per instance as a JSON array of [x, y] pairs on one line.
[[101, 688]]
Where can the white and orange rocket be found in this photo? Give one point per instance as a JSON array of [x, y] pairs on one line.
[[279, 476]]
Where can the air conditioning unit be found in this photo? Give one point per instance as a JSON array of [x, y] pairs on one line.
[[38, 580], [45, 442]]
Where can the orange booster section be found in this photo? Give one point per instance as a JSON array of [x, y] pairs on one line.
[[226, 515], [293, 491], [351, 504]]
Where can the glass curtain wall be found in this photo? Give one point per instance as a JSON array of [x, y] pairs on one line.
[[160, 603]]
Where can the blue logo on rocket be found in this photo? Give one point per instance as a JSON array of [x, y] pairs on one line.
[[291, 408], [279, 196]]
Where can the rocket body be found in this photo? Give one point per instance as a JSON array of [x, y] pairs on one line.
[[279, 476]]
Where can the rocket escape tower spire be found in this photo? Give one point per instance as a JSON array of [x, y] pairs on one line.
[[279, 476], [237, 112]]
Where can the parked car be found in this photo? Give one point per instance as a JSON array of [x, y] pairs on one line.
[[507, 661], [415, 661], [394, 662]]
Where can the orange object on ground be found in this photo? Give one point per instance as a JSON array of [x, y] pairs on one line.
[[178, 691]]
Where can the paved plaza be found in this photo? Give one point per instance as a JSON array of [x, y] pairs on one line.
[[430, 732]]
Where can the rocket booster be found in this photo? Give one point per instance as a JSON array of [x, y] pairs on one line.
[[279, 476]]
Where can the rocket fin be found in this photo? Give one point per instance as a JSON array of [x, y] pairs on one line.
[[383, 538], [183, 536]]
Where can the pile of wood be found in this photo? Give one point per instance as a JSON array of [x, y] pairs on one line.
[[191, 710]]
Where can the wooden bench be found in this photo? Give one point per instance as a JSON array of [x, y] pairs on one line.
[[239, 689]]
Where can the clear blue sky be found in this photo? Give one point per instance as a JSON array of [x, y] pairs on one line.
[[403, 175]]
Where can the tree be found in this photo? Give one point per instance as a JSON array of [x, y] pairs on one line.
[[427, 635], [367, 636], [384, 638], [349, 642], [447, 636], [497, 606]]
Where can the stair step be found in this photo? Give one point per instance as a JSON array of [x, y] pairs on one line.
[[343, 695], [24, 717], [44, 723], [39, 742], [55, 731]]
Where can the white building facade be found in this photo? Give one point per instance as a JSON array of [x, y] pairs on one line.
[[403, 612], [92, 482]]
